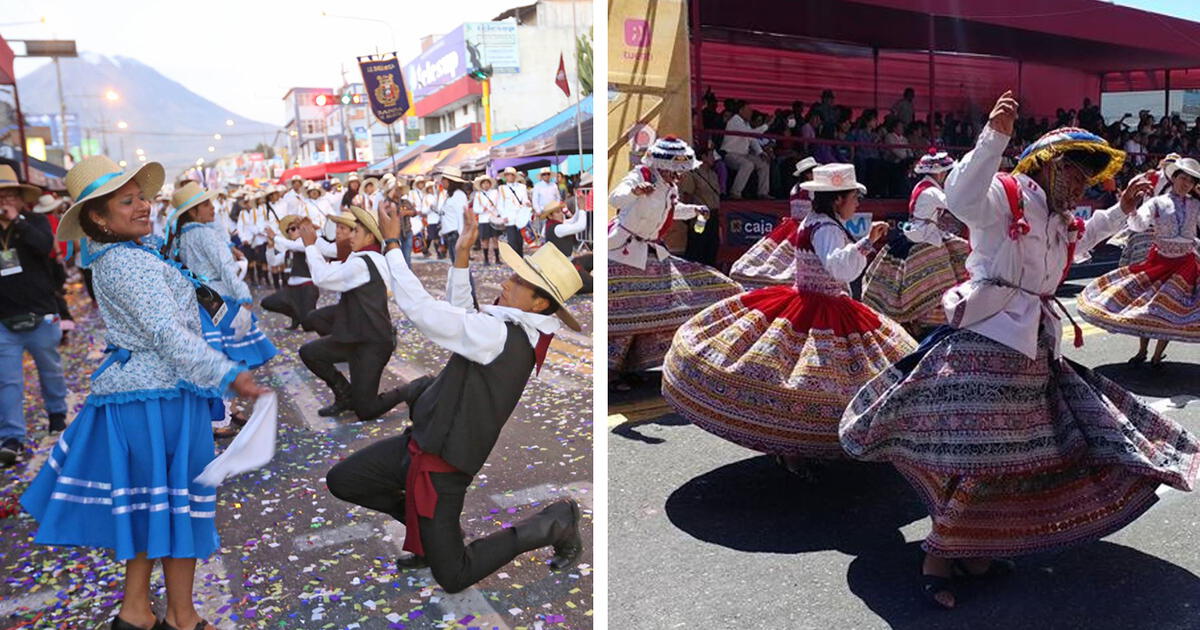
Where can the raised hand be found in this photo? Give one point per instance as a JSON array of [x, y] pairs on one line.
[[1004, 114]]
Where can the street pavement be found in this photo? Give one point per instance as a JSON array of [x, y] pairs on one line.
[[707, 534], [293, 556]]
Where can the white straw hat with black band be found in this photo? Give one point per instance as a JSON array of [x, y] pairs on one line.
[[97, 176]]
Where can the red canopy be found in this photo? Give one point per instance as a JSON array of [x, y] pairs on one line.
[[319, 171]]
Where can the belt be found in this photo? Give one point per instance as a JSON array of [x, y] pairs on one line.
[[1048, 300], [420, 496]]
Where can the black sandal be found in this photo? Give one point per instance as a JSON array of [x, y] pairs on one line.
[[163, 625], [120, 624], [932, 585], [1157, 361], [1137, 359]]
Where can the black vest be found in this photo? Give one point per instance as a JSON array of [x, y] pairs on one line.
[[361, 316], [460, 414], [299, 265]]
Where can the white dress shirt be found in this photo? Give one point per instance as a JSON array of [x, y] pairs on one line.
[[544, 193], [344, 276], [572, 226], [431, 207], [283, 244], [515, 208], [454, 324], [293, 202], [635, 230], [1174, 221], [743, 145], [486, 204], [452, 212], [1034, 262], [843, 258]]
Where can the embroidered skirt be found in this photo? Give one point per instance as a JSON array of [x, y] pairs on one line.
[[906, 281], [1137, 247], [1012, 455], [120, 477], [773, 369], [254, 349], [771, 261], [645, 307], [1158, 298]]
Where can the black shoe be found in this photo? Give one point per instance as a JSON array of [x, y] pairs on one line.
[[120, 624], [58, 422], [410, 561], [569, 546], [10, 449], [294, 326], [338, 407]]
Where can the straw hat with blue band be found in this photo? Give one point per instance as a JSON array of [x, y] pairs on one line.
[[1087, 149], [97, 176], [185, 198], [549, 270], [8, 179]]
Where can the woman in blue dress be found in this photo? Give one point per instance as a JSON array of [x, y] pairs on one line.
[[195, 240], [120, 476]]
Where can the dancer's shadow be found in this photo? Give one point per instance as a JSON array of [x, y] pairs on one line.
[[1068, 291], [1100, 586], [754, 505], [643, 405], [1169, 380]]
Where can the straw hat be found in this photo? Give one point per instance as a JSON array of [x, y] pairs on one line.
[[430, 184], [95, 177], [372, 181], [369, 220], [669, 153], [8, 179], [834, 178], [804, 165], [345, 218], [352, 178], [1088, 150], [484, 178], [295, 178], [48, 203], [286, 222], [509, 171], [454, 174], [1187, 165], [551, 271], [186, 197]]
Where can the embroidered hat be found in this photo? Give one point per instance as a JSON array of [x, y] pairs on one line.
[[834, 178], [804, 165], [934, 162], [1187, 165], [8, 179], [1088, 150], [96, 176], [669, 153], [549, 270], [367, 219]]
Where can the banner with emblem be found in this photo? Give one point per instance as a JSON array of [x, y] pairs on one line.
[[385, 87]]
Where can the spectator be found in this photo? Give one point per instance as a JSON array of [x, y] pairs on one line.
[[744, 154], [709, 116], [896, 157], [828, 112], [903, 110], [701, 187], [28, 315]]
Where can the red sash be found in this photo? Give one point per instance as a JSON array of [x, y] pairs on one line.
[[420, 496]]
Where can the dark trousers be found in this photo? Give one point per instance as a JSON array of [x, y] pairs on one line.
[[513, 236], [702, 247], [366, 361], [294, 301], [450, 239], [375, 477], [319, 320]]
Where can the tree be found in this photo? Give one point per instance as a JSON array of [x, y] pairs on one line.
[[583, 59], [264, 149]]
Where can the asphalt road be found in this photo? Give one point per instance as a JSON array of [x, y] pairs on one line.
[[293, 556], [706, 534]]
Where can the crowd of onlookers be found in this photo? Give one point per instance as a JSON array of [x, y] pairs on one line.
[[884, 143]]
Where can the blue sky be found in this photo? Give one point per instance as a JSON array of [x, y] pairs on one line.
[[1186, 9]]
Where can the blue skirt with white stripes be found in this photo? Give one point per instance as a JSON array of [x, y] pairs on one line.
[[254, 349], [120, 477]]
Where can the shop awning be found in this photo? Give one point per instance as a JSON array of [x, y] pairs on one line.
[[555, 135], [432, 142], [44, 174], [424, 163], [320, 171]]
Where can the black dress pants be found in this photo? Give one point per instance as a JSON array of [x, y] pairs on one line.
[[294, 301], [319, 320], [366, 361], [375, 477], [513, 236]]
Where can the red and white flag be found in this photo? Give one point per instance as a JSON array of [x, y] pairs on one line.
[[560, 79]]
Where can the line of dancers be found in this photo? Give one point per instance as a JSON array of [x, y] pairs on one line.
[[950, 367]]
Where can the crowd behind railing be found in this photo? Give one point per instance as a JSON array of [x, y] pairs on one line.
[[883, 144]]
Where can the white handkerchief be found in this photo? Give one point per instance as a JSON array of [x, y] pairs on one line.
[[243, 265], [253, 447], [241, 323]]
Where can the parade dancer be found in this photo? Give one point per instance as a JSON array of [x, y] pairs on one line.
[[773, 369], [650, 292], [563, 223], [515, 209], [299, 297], [486, 203], [920, 262], [1013, 448], [194, 240], [772, 260], [421, 477], [432, 212], [454, 200], [361, 333], [1160, 297], [120, 477], [1135, 246], [293, 199]]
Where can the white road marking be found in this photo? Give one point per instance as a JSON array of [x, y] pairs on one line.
[[334, 536], [581, 491], [1174, 402], [305, 403]]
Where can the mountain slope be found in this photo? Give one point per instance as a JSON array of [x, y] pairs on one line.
[[170, 122]]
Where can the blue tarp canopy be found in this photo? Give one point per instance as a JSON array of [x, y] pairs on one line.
[[432, 142], [554, 136]]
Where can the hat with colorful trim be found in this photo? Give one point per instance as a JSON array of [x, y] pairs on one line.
[[934, 162], [1080, 146], [669, 153], [96, 176]]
